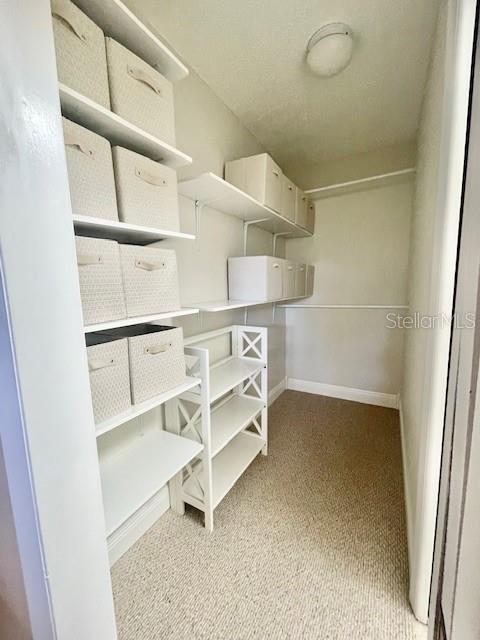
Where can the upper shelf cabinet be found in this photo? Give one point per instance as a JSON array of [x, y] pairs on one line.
[[118, 22]]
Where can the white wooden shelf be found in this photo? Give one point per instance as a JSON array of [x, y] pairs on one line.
[[228, 466], [89, 114], [118, 22], [138, 409], [230, 305], [128, 322], [123, 232], [134, 474], [209, 189], [231, 417], [227, 375]]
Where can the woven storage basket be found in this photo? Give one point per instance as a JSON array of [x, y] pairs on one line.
[[156, 356], [150, 280], [146, 191], [108, 369], [139, 93], [100, 278], [80, 49], [310, 279], [300, 279], [90, 172]]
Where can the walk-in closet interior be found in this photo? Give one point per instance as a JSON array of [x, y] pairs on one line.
[[225, 220]]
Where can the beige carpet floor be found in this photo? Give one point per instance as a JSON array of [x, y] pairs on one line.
[[309, 544]]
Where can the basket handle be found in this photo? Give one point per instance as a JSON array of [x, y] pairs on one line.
[[156, 181], [86, 259], [94, 364], [156, 349], [63, 12], [150, 266], [141, 76], [72, 141]]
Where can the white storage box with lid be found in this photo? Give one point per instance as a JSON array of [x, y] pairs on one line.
[[109, 376], [150, 280], [255, 278], [80, 49], [309, 281], [139, 93], [300, 279], [301, 204], [288, 198], [100, 276], [90, 172], [288, 289], [259, 176], [146, 191], [310, 225], [156, 357]]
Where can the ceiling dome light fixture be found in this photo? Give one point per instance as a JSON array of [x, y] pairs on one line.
[[330, 49]]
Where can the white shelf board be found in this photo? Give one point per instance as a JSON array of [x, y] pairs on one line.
[[117, 21], [128, 322], [138, 409], [228, 466], [93, 116], [134, 474], [342, 188], [230, 305], [219, 194], [228, 374], [123, 232], [230, 418]]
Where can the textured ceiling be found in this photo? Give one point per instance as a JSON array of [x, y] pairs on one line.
[[252, 54]]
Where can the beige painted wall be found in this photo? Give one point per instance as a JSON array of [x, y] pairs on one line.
[[360, 253]]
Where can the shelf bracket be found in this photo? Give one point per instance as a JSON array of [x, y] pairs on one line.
[[245, 316], [246, 225], [199, 204], [275, 236], [274, 308]]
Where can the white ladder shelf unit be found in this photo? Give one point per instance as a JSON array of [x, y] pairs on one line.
[[227, 414]]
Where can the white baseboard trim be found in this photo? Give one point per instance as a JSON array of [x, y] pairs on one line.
[[277, 391], [376, 398], [406, 486], [125, 536]]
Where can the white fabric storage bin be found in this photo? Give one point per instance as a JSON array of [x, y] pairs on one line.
[[255, 278], [139, 93], [109, 376], [150, 280], [259, 176], [300, 280], [156, 357], [310, 226], [80, 49], [146, 191], [301, 204], [288, 289], [90, 172], [288, 198], [309, 281], [100, 276]]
